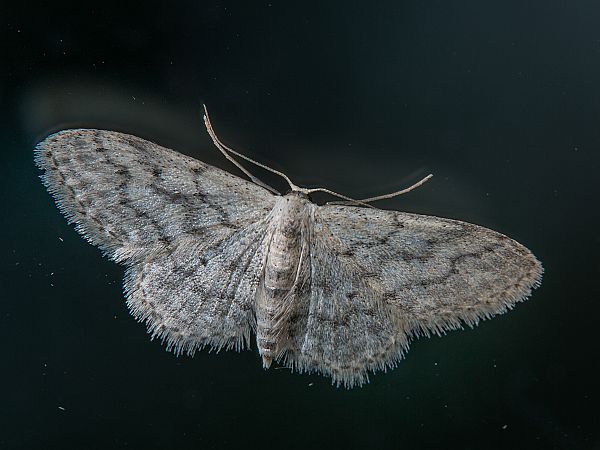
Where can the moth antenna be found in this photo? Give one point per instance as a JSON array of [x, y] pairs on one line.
[[348, 199], [365, 201], [226, 150], [395, 194]]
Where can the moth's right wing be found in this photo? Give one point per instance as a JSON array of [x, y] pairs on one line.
[[379, 277], [437, 272], [131, 197]]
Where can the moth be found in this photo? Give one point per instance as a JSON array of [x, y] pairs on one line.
[[213, 259]]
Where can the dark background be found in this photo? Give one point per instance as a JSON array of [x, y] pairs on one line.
[[499, 99]]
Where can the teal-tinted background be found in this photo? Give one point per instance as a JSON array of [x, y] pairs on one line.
[[499, 99]]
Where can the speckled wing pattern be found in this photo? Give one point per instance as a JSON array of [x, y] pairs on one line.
[[165, 215], [339, 290], [381, 277]]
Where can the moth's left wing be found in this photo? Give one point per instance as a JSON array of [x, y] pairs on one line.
[[132, 197], [201, 292]]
